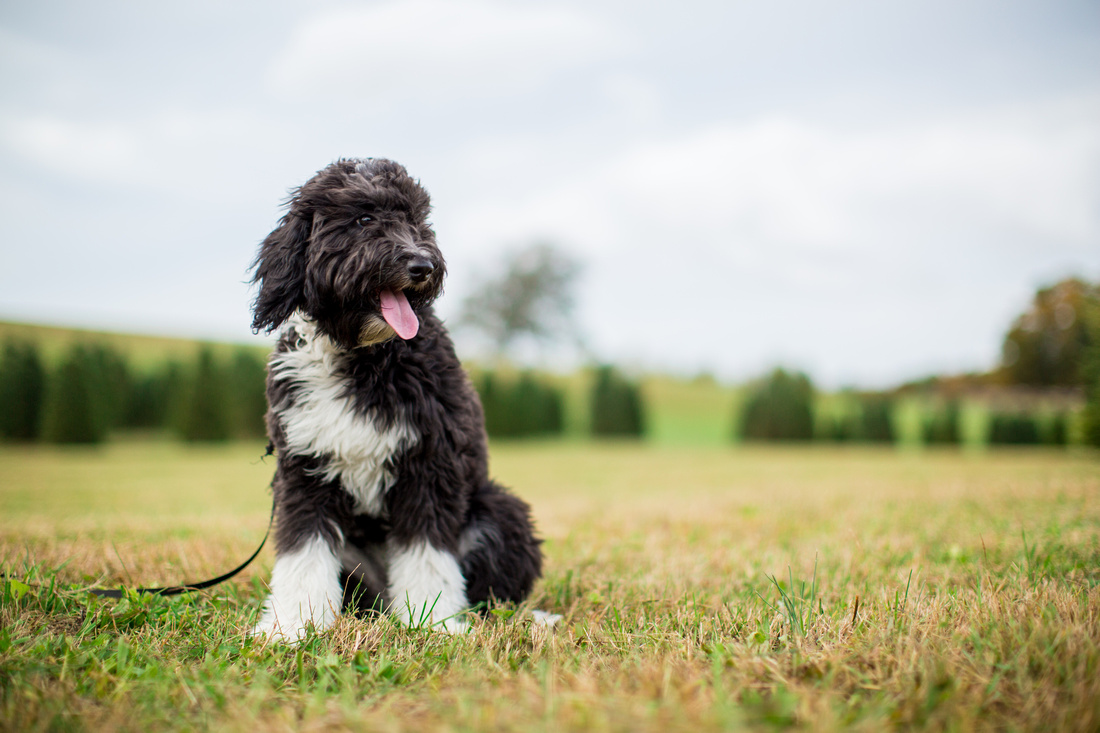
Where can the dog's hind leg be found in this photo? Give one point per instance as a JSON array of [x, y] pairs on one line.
[[498, 551], [426, 586]]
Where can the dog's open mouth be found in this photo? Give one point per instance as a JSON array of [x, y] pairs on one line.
[[398, 313]]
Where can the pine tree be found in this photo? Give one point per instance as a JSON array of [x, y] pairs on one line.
[[22, 384], [780, 408], [205, 414], [617, 408], [73, 411], [876, 419], [1013, 428], [247, 388], [942, 426], [525, 408], [110, 383]]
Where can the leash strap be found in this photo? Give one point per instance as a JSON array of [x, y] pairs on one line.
[[175, 590]]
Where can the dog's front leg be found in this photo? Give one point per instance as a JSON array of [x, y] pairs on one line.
[[426, 586], [305, 583], [305, 589]]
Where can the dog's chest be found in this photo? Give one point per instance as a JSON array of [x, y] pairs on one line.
[[319, 419]]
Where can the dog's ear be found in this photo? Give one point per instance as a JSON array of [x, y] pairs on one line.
[[280, 270]]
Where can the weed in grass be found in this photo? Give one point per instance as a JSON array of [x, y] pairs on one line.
[[798, 602]]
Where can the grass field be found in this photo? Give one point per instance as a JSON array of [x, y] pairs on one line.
[[702, 589]]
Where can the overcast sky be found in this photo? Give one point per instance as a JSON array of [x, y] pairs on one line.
[[866, 190]]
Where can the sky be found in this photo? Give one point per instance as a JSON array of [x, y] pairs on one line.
[[868, 191]]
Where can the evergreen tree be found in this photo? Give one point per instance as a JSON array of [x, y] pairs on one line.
[[779, 408], [526, 408], [489, 392], [73, 411], [617, 408], [247, 387], [835, 428], [110, 383], [942, 426], [205, 416], [22, 384], [147, 401], [876, 419], [1013, 428]]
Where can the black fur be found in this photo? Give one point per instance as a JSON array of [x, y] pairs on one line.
[[329, 263]]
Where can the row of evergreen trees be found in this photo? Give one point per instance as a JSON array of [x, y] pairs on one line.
[[526, 406], [92, 390], [780, 408]]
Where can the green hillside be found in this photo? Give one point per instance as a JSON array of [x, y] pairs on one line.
[[141, 351]]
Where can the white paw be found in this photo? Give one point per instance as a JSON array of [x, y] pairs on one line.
[[291, 626], [548, 620], [305, 589], [426, 587]]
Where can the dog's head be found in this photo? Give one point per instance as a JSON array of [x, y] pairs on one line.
[[354, 253]]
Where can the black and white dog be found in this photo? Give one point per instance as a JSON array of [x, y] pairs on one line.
[[382, 493]]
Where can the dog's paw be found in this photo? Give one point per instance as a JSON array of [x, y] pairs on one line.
[[291, 628], [269, 628], [545, 619]]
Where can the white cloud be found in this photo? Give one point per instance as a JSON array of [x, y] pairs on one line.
[[187, 151], [98, 151], [412, 49], [857, 254], [784, 182]]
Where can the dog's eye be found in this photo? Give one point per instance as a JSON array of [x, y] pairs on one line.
[[364, 220]]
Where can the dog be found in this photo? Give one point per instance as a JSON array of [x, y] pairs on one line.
[[382, 495]]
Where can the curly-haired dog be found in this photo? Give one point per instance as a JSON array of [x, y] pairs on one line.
[[383, 499]]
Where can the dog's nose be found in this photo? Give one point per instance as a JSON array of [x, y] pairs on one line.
[[420, 270]]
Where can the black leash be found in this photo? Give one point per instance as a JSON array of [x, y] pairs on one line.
[[175, 590]]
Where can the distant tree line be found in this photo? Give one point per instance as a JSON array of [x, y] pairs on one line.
[[1053, 344], [527, 405], [92, 391], [781, 408]]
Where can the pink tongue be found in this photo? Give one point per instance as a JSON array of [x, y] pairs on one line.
[[399, 314]]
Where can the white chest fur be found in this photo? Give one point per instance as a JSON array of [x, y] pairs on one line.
[[322, 420]]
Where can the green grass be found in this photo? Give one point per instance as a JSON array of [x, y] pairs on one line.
[[702, 589]]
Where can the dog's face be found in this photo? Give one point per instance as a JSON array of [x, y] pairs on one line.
[[355, 253]]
